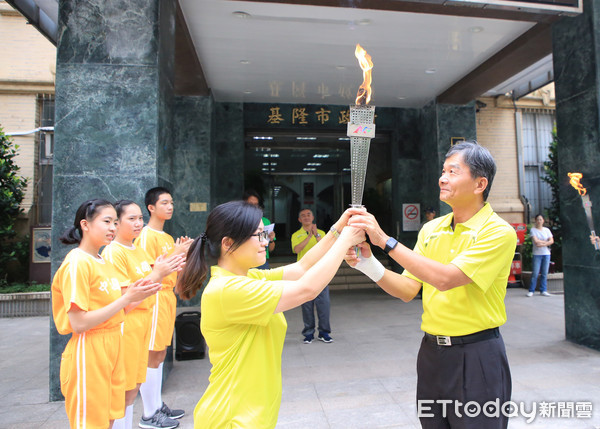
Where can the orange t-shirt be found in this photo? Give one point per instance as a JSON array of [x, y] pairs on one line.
[[131, 264], [157, 243], [87, 282]]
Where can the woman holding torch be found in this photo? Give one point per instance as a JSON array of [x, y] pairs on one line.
[[242, 310]]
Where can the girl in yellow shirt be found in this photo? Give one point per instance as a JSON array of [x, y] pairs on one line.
[[133, 263], [242, 310], [87, 302]]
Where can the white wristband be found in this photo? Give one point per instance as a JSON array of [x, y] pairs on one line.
[[370, 267]]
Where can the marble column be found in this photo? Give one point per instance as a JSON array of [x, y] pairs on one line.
[[576, 48], [228, 149], [440, 123], [114, 86], [193, 119]]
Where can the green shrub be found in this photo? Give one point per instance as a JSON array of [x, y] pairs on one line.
[[12, 192], [25, 287]]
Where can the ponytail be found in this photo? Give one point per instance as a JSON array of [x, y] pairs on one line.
[[192, 277], [236, 220], [71, 236]]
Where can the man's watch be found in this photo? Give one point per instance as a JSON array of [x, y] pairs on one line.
[[390, 244]]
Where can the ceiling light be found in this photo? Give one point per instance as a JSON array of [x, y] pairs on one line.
[[313, 164], [400, 97], [476, 29], [321, 155], [306, 138], [244, 62], [340, 67], [430, 71], [309, 169], [241, 15], [346, 169], [247, 92], [262, 138], [364, 22], [343, 138]]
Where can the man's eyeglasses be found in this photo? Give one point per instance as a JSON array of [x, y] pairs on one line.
[[262, 236]]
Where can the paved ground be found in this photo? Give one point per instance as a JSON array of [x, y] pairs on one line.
[[365, 379]]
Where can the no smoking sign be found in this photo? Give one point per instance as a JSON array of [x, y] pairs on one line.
[[411, 216]]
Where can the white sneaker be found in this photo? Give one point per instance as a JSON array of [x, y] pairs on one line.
[[529, 293], [546, 294]]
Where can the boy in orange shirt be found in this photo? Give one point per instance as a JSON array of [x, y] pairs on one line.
[[156, 242]]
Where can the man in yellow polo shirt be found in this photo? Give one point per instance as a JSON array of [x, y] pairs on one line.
[[302, 241], [462, 261]]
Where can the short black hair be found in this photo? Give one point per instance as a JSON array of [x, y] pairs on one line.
[[252, 193], [152, 196], [479, 159]]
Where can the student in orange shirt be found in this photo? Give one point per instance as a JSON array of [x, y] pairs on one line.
[[156, 242], [87, 302], [132, 263]]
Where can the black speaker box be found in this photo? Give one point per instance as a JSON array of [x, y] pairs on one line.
[[189, 342]]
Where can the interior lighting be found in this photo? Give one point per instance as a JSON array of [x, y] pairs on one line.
[[241, 15]]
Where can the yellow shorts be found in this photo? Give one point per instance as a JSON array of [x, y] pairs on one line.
[[163, 320], [92, 378], [136, 337]]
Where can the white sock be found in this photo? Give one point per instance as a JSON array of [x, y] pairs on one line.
[[148, 391], [119, 423], [159, 400], [128, 417]]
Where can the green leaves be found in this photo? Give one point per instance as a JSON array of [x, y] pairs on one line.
[[12, 192]]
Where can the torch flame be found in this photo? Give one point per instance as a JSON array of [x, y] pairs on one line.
[[574, 181], [364, 91]]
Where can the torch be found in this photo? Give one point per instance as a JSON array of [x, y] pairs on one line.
[[361, 129], [587, 204]]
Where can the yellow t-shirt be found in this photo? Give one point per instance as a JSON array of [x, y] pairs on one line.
[[87, 282], [483, 249], [299, 236], [131, 264], [245, 342], [157, 243]]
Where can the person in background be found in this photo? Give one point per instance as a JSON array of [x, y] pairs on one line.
[[302, 241], [252, 197], [542, 240], [429, 215]]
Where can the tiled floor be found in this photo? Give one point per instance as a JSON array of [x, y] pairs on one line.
[[365, 379]]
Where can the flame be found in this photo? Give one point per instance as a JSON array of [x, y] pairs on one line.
[[574, 181], [364, 91]]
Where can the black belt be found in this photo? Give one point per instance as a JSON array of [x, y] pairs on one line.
[[442, 340]]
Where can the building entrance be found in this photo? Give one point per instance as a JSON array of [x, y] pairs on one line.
[[292, 171]]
